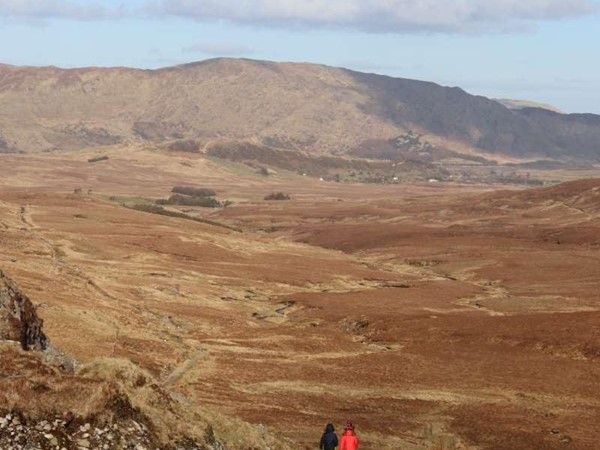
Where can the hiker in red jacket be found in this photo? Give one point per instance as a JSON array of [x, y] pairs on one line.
[[349, 440]]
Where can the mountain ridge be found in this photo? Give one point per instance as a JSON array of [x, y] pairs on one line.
[[300, 106]]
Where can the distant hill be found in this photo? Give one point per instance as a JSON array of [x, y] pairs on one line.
[[305, 107]]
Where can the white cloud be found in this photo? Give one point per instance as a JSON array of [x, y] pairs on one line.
[[34, 10], [391, 16], [218, 49], [395, 16]]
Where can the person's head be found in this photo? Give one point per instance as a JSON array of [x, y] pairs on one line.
[[329, 428], [349, 427]]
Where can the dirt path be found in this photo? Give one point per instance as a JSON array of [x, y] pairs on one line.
[[33, 229], [183, 368]]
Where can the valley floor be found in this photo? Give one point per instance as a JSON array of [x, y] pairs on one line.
[[429, 315]]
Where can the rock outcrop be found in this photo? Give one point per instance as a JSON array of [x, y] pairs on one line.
[[18, 318]]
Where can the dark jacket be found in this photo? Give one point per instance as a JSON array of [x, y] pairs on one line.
[[329, 440]]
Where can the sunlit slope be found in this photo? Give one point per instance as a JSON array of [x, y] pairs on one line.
[[296, 106]]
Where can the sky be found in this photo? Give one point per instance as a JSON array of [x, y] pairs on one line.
[[541, 50]]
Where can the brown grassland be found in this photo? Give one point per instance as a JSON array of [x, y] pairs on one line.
[[432, 315]]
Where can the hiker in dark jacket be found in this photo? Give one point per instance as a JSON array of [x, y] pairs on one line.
[[329, 440]]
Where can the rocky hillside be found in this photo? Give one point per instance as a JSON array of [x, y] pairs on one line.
[[304, 107], [105, 404], [18, 319]]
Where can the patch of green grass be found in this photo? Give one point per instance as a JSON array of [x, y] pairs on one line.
[[234, 167], [128, 201], [159, 210]]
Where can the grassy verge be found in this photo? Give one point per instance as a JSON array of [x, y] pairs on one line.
[[155, 209]]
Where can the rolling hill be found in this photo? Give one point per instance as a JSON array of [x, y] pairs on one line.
[[311, 108]]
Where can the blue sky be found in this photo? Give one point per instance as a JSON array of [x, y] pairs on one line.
[[541, 50]]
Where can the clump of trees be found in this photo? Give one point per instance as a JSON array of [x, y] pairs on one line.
[[191, 196], [278, 196], [188, 146], [193, 192], [185, 200], [98, 159]]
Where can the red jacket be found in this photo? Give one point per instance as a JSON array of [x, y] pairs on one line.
[[349, 441]]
